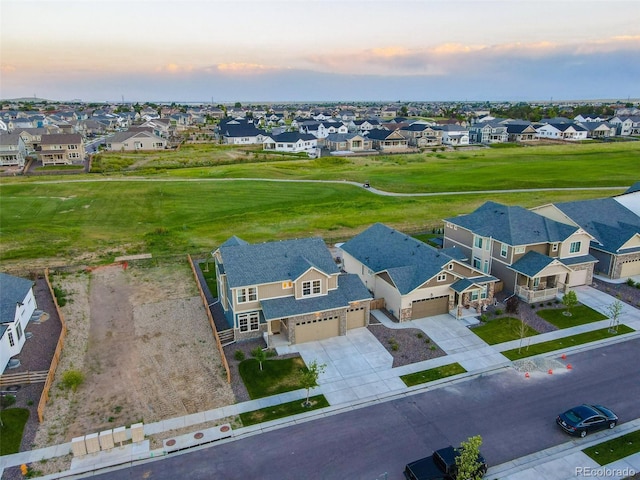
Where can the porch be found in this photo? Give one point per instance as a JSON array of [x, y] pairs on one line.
[[536, 294]]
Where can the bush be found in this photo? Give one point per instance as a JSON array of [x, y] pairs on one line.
[[8, 400], [483, 318], [72, 379], [61, 296], [419, 335], [630, 282], [239, 355], [498, 311]]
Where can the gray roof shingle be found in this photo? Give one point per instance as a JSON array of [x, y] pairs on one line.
[[12, 291]]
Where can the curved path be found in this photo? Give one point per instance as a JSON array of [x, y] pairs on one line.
[[337, 182]]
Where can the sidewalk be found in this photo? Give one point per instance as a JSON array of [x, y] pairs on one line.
[[379, 382]]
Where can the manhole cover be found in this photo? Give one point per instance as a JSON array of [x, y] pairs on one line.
[[224, 428], [171, 442], [198, 435]]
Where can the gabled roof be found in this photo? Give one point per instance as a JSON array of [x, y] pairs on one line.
[[242, 130], [343, 137], [513, 225], [408, 261], [292, 137], [12, 291], [350, 289], [61, 138], [633, 188], [255, 264], [380, 134], [533, 263], [610, 222]]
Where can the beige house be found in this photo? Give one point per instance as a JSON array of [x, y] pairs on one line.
[[287, 292], [61, 149], [134, 141], [348, 142], [12, 150], [536, 258], [388, 141], [421, 135]]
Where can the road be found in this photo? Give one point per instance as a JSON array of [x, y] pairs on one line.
[[513, 414]]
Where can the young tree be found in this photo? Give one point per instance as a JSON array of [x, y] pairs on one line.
[[522, 330], [309, 378], [614, 310], [570, 300], [260, 355], [467, 463]]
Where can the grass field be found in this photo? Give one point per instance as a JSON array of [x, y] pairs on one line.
[[89, 218]]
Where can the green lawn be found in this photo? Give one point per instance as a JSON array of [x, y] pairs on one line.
[[14, 420], [283, 410], [504, 329], [566, 342], [209, 273], [580, 315], [432, 374], [608, 452], [277, 376]]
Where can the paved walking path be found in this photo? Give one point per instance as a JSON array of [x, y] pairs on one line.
[[359, 373]]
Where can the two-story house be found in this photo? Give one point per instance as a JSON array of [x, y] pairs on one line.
[[415, 279], [536, 257], [388, 141], [17, 305], [12, 150], [289, 291], [348, 142], [61, 149], [421, 135], [488, 132]]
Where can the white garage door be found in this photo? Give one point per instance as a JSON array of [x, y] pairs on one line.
[[577, 277], [317, 329]]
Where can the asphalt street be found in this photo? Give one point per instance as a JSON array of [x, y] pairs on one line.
[[514, 415]]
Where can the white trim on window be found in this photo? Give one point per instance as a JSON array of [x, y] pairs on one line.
[[442, 277], [249, 322], [504, 249]]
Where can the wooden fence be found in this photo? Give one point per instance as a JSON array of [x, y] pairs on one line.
[[211, 322], [57, 354], [27, 377]]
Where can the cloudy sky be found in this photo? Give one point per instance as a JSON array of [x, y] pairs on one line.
[[315, 50]]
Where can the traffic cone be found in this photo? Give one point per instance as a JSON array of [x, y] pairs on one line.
[[564, 356], [526, 375], [550, 372], [569, 367]]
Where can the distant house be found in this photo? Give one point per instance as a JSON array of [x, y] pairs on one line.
[[241, 134], [562, 131], [454, 134], [130, 141], [488, 132], [521, 132], [293, 142], [363, 125], [422, 135], [536, 257], [348, 142], [13, 151], [415, 279], [626, 125], [388, 141], [17, 305], [288, 292], [598, 130], [61, 149]]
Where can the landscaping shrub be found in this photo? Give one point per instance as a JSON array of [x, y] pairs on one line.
[[239, 355], [8, 400], [72, 379]]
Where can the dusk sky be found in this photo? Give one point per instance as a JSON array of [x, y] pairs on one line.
[[320, 50]]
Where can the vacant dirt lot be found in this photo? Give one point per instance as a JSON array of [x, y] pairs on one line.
[[142, 339]]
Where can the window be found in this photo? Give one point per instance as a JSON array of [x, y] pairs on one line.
[[311, 288], [477, 263], [442, 277], [519, 249], [19, 330], [450, 266], [477, 241], [485, 266], [536, 282], [249, 322], [247, 294], [574, 247], [483, 292], [11, 341], [503, 250], [554, 247]]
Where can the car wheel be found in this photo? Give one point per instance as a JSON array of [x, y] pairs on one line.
[[583, 433], [612, 424]]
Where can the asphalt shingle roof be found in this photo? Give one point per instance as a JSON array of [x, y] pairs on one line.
[[12, 290], [254, 264], [532, 263], [408, 261], [512, 225]]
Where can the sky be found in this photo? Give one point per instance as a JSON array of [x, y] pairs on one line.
[[224, 51]]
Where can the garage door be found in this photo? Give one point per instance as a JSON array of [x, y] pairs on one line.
[[355, 318], [578, 277], [317, 329], [629, 269], [429, 307]]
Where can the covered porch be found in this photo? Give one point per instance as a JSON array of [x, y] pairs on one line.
[[539, 278], [472, 296]]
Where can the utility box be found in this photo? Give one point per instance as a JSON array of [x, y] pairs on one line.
[[106, 439], [92, 443], [78, 447], [120, 435], [137, 432]]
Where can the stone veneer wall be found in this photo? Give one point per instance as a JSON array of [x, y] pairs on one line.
[[342, 322]]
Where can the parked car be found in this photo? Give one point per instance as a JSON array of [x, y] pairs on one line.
[[585, 419], [439, 466]]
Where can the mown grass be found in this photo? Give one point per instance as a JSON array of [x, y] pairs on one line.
[[282, 410], [276, 376], [14, 420], [612, 450], [580, 315], [566, 342], [432, 374], [500, 330]]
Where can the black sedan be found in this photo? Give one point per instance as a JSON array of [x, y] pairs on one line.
[[583, 419]]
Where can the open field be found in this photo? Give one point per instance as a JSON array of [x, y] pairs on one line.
[[91, 218]]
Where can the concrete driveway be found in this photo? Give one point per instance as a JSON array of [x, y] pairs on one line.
[[601, 301]]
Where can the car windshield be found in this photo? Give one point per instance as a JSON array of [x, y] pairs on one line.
[[573, 416]]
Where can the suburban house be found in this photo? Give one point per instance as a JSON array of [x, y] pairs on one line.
[[422, 135], [289, 291], [348, 143], [562, 131], [363, 125], [415, 279], [388, 141], [241, 134], [630, 198], [488, 132], [291, 142], [615, 230], [454, 134], [13, 151], [535, 257], [135, 140], [17, 305], [61, 149], [599, 129], [521, 132], [626, 124]]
